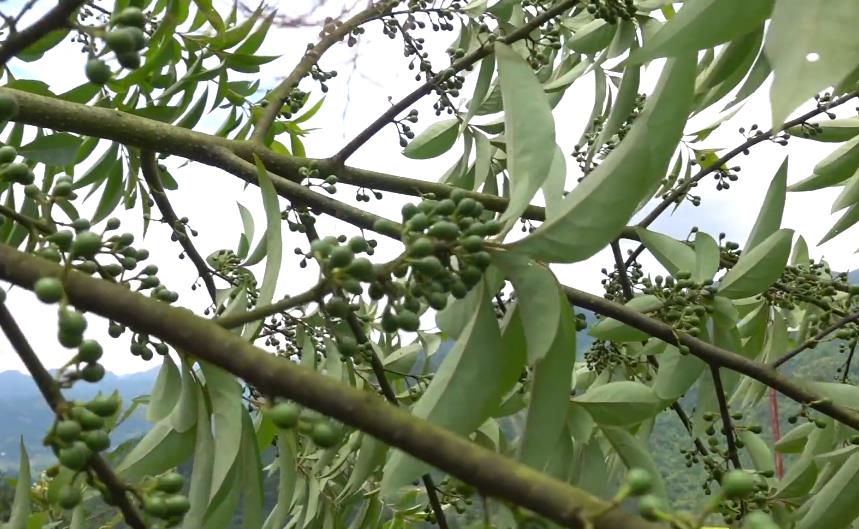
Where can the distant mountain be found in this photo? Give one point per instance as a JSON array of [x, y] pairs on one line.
[[26, 414]]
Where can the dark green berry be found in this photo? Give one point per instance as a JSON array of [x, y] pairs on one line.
[[177, 505], [445, 207], [120, 40], [68, 430], [418, 222], [408, 321], [88, 419], [8, 154], [75, 456], [421, 247], [48, 289], [362, 269], [130, 16], [129, 59], [171, 482], [86, 244], [285, 415], [97, 71], [340, 256], [72, 321], [359, 244], [156, 505], [444, 230], [472, 243], [69, 340], [103, 405], [737, 484], [324, 434], [17, 172], [69, 496], [338, 307], [92, 372], [96, 440], [429, 266]]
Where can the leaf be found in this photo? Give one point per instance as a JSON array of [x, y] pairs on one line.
[[759, 73], [758, 451], [758, 269], [160, 449], [707, 255], [201, 472], [835, 504], [109, 198], [550, 390], [850, 217], [849, 194], [481, 87], [674, 255], [20, 509], [287, 469], [613, 330], [838, 166], [58, 149], [635, 454], [248, 231], [769, 217], [225, 395], [620, 403], [599, 207], [466, 390], [799, 28], [536, 288], [623, 106], [703, 24], [677, 373], [794, 441], [729, 69], [594, 36], [47, 41], [252, 480], [434, 141], [165, 393], [529, 129], [831, 130]]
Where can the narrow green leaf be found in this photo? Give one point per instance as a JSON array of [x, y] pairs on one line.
[[110, 197], [613, 330], [834, 130], [481, 87], [201, 471], [849, 218], [835, 503], [769, 218], [759, 73], [252, 479], [758, 269], [674, 255], [849, 194], [466, 389], [620, 403], [192, 117], [677, 373], [704, 24], [593, 37], [838, 166], [529, 128], [793, 442], [729, 69], [434, 141], [225, 395], [599, 207], [165, 393], [160, 449], [811, 44], [553, 186], [707, 256], [287, 474], [760, 454], [20, 509], [58, 149], [635, 454], [550, 390]]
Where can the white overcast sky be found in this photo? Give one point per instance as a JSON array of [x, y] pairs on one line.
[[208, 196]]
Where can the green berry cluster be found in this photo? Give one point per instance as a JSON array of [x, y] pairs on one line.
[[164, 500], [323, 432], [126, 39], [10, 170], [612, 10]]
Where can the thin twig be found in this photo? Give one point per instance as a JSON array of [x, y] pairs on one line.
[[727, 426], [846, 374], [287, 303], [53, 396], [149, 168], [811, 342], [57, 17]]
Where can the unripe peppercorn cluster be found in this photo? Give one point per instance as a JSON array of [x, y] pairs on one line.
[[10, 170], [126, 39], [164, 500], [287, 415]]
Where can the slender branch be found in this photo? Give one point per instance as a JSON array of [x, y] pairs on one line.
[[53, 396], [276, 97], [57, 17], [846, 374], [811, 342], [727, 426], [287, 303], [620, 266], [149, 168], [463, 63], [28, 222], [490, 472], [746, 145], [713, 354]]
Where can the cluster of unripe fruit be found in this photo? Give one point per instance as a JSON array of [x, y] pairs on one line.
[[163, 499], [79, 434], [12, 171], [125, 39], [288, 415]]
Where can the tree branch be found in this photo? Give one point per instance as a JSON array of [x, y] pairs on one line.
[[57, 17], [53, 396], [714, 355], [276, 97], [814, 341], [492, 473], [259, 313], [727, 426], [463, 63], [149, 169]]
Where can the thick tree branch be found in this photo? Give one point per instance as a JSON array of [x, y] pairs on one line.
[[727, 425], [715, 355], [490, 472], [276, 97], [57, 17], [457, 66], [811, 342], [149, 168], [53, 396]]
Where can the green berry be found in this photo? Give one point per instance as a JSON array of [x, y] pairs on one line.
[[408, 321], [69, 496], [445, 207], [177, 505], [48, 289], [457, 195], [347, 345], [97, 71], [103, 405], [639, 481], [96, 440], [340, 257], [389, 322], [92, 372], [408, 211], [72, 321], [759, 520], [444, 230], [493, 227], [86, 244], [324, 434], [285, 415], [75, 456], [470, 275], [359, 244], [8, 107], [63, 239], [68, 430], [362, 269], [472, 243], [421, 247], [418, 222], [8, 154], [467, 207], [17, 172], [129, 59], [80, 225], [481, 259], [429, 266], [737, 484], [650, 506], [69, 340], [120, 40], [156, 505], [87, 419], [438, 300], [171, 482], [130, 16], [338, 307]]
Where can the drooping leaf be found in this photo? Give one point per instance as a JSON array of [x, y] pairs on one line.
[[838, 166], [849, 194], [704, 24], [677, 373], [225, 395], [599, 207], [201, 471], [728, 69], [434, 141], [758, 269], [58, 149], [614, 330], [830, 130], [835, 503], [674, 255], [529, 129], [165, 393], [769, 218], [849, 218], [811, 44], [592, 37], [635, 454], [620, 403], [706, 257]]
